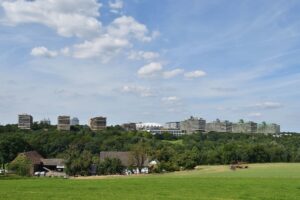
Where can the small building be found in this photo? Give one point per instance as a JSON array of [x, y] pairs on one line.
[[74, 121], [219, 126], [129, 126], [97, 123], [193, 124], [175, 132], [241, 127], [63, 123], [25, 121]]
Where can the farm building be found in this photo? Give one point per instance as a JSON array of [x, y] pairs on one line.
[[38, 163]]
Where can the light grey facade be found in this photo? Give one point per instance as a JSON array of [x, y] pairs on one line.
[[219, 126], [63, 123], [97, 123], [193, 124], [172, 125], [268, 128], [25, 121], [129, 126], [74, 121], [247, 127]]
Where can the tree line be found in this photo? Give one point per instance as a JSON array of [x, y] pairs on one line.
[[81, 147]]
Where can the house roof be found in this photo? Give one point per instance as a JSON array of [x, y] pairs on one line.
[[33, 156], [125, 157], [53, 162]]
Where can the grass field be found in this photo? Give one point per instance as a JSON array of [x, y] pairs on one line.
[[260, 181]]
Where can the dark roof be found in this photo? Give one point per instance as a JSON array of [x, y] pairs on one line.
[[33, 156], [53, 162], [125, 157]]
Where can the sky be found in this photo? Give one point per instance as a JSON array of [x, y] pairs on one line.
[[151, 60]]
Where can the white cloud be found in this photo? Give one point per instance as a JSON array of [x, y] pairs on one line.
[[268, 105], [195, 74], [67, 17], [145, 55], [172, 73], [126, 26], [138, 90], [171, 99], [256, 114], [150, 70], [104, 47], [116, 5], [43, 52]]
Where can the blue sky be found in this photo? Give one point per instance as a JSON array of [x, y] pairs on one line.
[[151, 61]]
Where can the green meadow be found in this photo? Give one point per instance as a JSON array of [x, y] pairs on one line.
[[259, 182]]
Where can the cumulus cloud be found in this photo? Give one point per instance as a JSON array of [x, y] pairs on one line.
[[143, 55], [150, 70], [116, 6], [127, 26], [172, 73], [138, 90], [194, 74], [104, 47], [43, 52], [68, 17]]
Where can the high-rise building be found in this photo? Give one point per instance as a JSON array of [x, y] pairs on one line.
[[45, 121], [219, 126], [193, 124], [268, 128], [74, 121], [25, 121], [129, 126], [172, 125], [63, 123], [241, 127], [98, 123]]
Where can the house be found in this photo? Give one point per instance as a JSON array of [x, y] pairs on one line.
[[128, 160], [39, 163]]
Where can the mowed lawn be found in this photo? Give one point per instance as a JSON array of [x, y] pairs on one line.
[[260, 181]]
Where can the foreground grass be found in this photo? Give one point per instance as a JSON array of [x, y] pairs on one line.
[[264, 181]]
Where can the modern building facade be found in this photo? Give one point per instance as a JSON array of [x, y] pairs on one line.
[[129, 126], [172, 125], [193, 124], [74, 121], [25, 121], [248, 127], [268, 128], [219, 126], [63, 123], [148, 126], [97, 123]]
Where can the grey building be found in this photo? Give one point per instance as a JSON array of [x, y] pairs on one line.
[[268, 128], [129, 126], [63, 123], [45, 121], [192, 125], [97, 123], [248, 127], [74, 121], [219, 126], [172, 125], [25, 121]]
